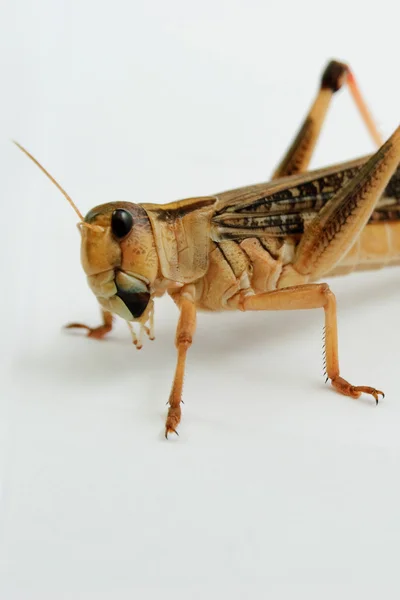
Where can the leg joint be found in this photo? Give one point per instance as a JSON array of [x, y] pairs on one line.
[[334, 76], [184, 339], [328, 295]]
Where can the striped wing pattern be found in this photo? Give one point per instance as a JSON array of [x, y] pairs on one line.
[[284, 207]]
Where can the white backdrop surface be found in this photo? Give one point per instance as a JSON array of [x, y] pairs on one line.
[[277, 486]]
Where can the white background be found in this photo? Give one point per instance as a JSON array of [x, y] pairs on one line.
[[277, 486]]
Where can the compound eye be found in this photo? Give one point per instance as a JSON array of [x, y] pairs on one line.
[[121, 223]]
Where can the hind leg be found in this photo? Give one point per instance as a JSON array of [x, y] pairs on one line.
[[301, 150]]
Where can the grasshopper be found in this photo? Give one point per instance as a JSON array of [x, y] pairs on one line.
[[261, 247]]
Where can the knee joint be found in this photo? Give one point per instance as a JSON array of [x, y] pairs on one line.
[[334, 76]]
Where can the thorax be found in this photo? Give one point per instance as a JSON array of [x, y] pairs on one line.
[[235, 269]]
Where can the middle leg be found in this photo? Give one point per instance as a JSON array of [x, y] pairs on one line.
[[317, 295]]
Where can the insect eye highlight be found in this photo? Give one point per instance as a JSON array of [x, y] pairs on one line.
[[121, 222]]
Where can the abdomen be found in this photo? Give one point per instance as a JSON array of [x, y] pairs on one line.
[[377, 246]]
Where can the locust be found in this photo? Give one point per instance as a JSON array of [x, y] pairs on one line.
[[261, 247]]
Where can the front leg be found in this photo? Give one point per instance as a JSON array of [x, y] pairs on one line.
[[184, 335], [96, 332]]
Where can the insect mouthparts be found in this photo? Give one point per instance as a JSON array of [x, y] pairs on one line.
[[133, 292]]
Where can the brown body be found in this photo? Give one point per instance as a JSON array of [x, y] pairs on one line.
[[260, 247], [236, 243], [240, 263]]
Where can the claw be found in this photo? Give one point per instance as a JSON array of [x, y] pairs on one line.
[[170, 430], [173, 420], [375, 393], [355, 391], [376, 396]]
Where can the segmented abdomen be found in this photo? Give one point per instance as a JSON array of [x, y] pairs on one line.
[[377, 246]]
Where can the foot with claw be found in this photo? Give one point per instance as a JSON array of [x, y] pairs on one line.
[[173, 420], [96, 333], [344, 387]]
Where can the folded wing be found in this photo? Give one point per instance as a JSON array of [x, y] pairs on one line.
[[285, 207]]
